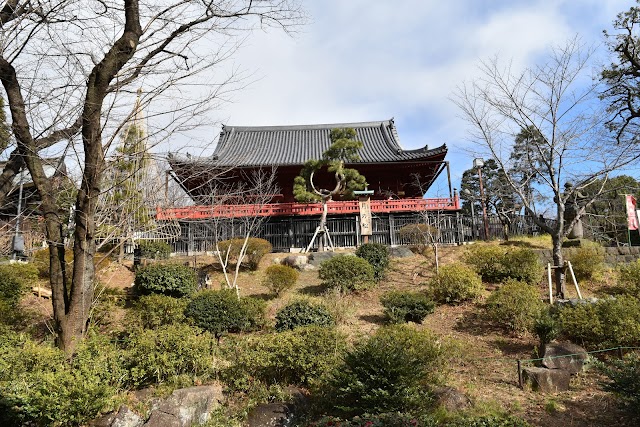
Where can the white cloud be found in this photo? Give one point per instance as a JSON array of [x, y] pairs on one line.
[[370, 60]]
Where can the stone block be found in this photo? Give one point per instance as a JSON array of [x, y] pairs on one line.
[[270, 415], [546, 380], [400, 252], [564, 355], [318, 258], [451, 399], [296, 261], [186, 407]]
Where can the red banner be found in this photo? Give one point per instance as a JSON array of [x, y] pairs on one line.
[[632, 218]]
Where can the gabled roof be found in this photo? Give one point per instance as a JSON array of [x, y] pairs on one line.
[[243, 146]]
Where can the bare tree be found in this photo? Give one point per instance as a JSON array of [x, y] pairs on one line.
[[69, 69], [558, 101]]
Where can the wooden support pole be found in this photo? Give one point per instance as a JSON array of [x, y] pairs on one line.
[[573, 277], [550, 284], [520, 374]]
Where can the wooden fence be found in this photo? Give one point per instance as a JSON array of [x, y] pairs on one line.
[[294, 233]]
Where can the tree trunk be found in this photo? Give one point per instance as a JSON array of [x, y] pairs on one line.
[[558, 262], [322, 241]]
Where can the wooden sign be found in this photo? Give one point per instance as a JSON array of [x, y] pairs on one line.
[[366, 228]]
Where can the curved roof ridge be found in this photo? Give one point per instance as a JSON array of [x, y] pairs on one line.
[[226, 128]]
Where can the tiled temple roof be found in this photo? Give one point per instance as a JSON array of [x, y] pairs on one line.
[[243, 146]]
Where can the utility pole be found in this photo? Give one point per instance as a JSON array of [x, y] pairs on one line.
[[478, 164]]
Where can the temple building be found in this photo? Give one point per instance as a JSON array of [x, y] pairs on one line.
[[398, 178]]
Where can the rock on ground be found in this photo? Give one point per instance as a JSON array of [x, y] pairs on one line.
[[565, 355], [546, 380]]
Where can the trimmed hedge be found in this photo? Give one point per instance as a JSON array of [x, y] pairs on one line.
[[377, 255], [498, 263], [347, 273], [155, 310], [173, 280], [629, 279], [303, 313], [255, 250], [587, 260], [280, 278], [154, 249], [515, 305], [220, 312], [607, 323], [300, 356], [405, 306], [15, 280], [392, 370], [455, 283]]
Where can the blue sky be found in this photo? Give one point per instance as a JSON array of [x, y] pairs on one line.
[[362, 60]]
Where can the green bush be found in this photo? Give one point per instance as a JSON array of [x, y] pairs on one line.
[[629, 278], [300, 356], [391, 371], [546, 326], [303, 313], [624, 374], [515, 305], [498, 263], [394, 419], [280, 278], [606, 323], [154, 249], [38, 386], [173, 280], [15, 280], [159, 355], [405, 306], [454, 284], [256, 249], [155, 310], [220, 312], [347, 273], [587, 260], [377, 255], [489, 421]]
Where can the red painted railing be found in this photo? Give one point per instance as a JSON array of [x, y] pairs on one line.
[[283, 209]]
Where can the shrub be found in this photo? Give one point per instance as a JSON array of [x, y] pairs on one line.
[[546, 327], [303, 313], [153, 311], [606, 323], [454, 284], [624, 376], [347, 273], [395, 419], [15, 280], [515, 305], [38, 386], [280, 278], [41, 260], [587, 260], [173, 280], [256, 249], [498, 263], [404, 306], [154, 249], [159, 355], [377, 255], [490, 421], [391, 371], [220, 312], [629, 278], [300, 356]]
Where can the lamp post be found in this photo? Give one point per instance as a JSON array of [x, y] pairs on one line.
[[467, 193], [478, 164]]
